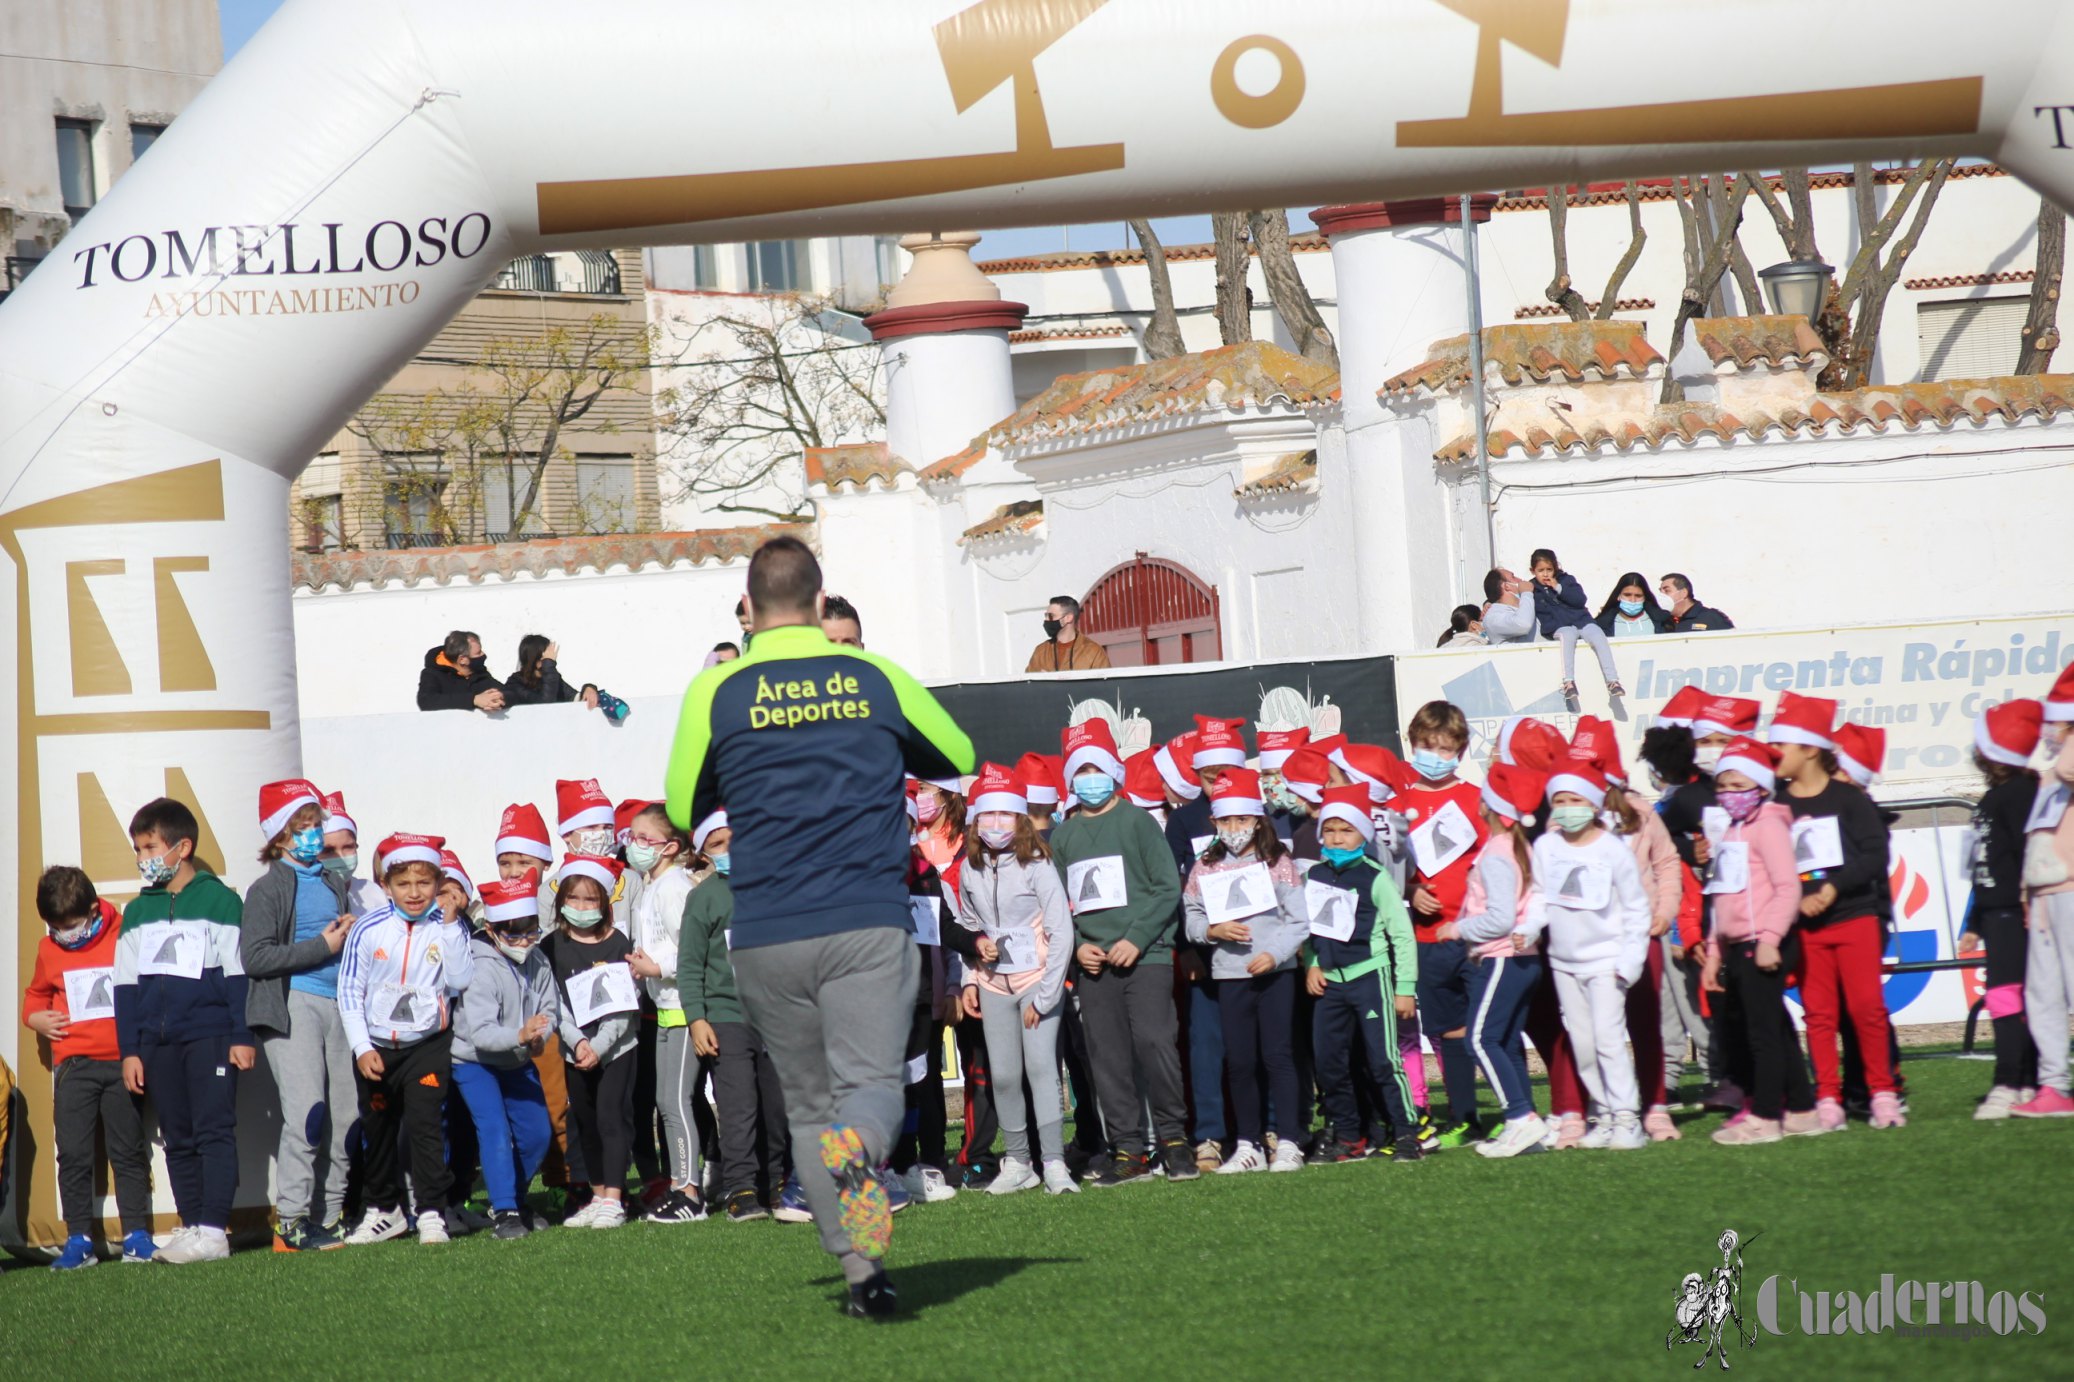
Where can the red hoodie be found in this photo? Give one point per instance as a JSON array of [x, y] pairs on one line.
[[95, 1037], [1418, 804]]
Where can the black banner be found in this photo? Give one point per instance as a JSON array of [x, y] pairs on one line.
[[1007, 719]]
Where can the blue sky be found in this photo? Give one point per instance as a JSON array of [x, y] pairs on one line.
[[242, 18]]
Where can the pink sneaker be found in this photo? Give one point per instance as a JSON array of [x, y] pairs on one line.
[[1570, 1133], [1832, 1114], [2047, 1103], [1657, 1123], [1751, 1131], [1740, 1115], [1886, 1110]]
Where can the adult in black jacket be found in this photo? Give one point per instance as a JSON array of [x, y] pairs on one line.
[[538, 680], [454, 677], [1688, 615]]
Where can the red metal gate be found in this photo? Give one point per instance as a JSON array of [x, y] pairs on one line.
[[1149, 612]]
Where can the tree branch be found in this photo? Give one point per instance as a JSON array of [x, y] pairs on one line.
[[1162, 338]]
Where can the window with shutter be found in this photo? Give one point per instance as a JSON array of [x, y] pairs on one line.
[[605, 494], [1977, 338]]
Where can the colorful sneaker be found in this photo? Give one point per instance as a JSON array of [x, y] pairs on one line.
[[897, 1197], [867, 1210], [1568, 1132], [1125, 1168], [792, 1207], [200, 1244], [509, 1226], [1058, 1180], [78, 1252], [1209, 1154], [1886, 1110], [1288, 1156], [1335, 1148], [677, 1207], [1429, 1136], [1831, 1113], [744, 1208], [376, 1226], [1407, 1148], [1177, 1161], [1016, 1174], [1462, 1134], [1997, 1104], [2046, 1103], [873, 1298], [137, 1246], [1806, 1123], [1750, 1132], [1244, 1157], [1657, 1123], [301, 1235]]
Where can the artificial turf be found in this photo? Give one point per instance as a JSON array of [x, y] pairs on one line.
[[1551, 1266]]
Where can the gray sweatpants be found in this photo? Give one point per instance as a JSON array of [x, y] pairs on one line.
[[2049, 984], [1681, 1016], [1017, 1052], [312, 1066], [833, 1012], [1596, 1017], [676, 1078], [1594, 635]]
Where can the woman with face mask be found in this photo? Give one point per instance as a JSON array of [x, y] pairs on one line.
[[503, 1020], [1631, 611], [599, 1008]]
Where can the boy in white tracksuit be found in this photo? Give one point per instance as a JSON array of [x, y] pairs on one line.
[[1598, 942]]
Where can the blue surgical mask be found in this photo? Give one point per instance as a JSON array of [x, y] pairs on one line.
[[720, 862], [431, 910], [1094, 789], [1341, 858], [1434, 766], [343, 864], [157, 869], [1631, 608], [305, 845]]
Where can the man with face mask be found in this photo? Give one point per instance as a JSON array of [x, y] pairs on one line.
[[1064, 649]]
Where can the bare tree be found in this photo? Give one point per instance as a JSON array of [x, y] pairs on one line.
[[1163, 333], [761, 384], [1285, 288], [2041, 323], [1234, 295], [1877, 266], [1708, 247], [1560, 290]]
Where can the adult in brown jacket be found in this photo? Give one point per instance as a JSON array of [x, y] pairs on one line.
[[1063, 648]]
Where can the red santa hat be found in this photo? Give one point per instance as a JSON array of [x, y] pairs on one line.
[[580, 805], [1375, 768], [521, 831], [1175, 761], [1531, 743], [703, 831], [1582, 778], [624, 813], [996, 789], [1861, 751], [505, 900], [1515, 792], [1277, 744], [1349, 804], [1090, 744], [450, 865], [1236, 792], [1306, 773], [953, 785], [1809, 720], [1757, 761], [1596, 743], [335, 817], [602, 871], [1681, 707], [1141, 779], [402, 848], [1730, 715], [1327, 747], [1039, 779], [1218, 743], [2059, 702], [2009, 732], [279, 801]]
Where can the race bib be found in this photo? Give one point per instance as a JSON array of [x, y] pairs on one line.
[[1095, 885], [1445, 837], [1817, 844], [1730, 871], [175, 949], [600, 992], [1197, 845], [404, 1009], [1331, 909], [1714, 823], [918, 1069], [1237, 893], [1581, 887], [2048, 809], [90, 993], [1018, 951], [928, 922]]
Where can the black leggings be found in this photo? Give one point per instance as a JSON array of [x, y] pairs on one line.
[[1259, 1016], [1763, 1051], [601, 1118]]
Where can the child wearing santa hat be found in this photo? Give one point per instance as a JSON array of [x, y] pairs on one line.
[[1502, 918], [523, 848], [2049, 894], [658, 850], [1212, 747], [587, 823], [2004, 738], [1684, 794], [502, 1025], [1755, 890], [341, 855], [600, 1005], [296, 917], [1598, 943], [1042, 785], [1245, 898], [399, 972]]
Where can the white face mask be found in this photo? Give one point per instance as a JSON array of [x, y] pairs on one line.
[[599, 841], [1705, 757], [1237, 839], [515, 953]]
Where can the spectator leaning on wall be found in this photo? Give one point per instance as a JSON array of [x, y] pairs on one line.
[[455, 678], [1063, 648], [1506, 617], [1688, 615]]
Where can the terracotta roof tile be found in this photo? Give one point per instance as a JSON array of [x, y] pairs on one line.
[[1019, 519], [509, 560], [855, 465], [1067, 333], [1293, 471], [1570, 351], [1925, 285], [1659, 189], [1054, 260], [1741, 342], [1540, 311]]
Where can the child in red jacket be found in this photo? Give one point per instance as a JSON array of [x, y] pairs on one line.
[[71, 1004]]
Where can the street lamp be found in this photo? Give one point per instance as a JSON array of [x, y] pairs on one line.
[[1798, 288]]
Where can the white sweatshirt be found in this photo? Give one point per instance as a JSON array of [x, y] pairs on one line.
[[395, 978], [1598, 911], [658, 917]]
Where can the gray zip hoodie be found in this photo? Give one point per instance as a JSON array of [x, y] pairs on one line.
[[1279, 931], [499, 998]]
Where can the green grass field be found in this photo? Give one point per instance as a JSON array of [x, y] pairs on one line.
[[1563, 1265]]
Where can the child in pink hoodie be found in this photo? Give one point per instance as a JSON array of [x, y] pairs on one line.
[[1755, 888]]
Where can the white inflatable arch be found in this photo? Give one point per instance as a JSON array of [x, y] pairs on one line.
[[362, 169]]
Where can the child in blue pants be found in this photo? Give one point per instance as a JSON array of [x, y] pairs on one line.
[[502, 1022]]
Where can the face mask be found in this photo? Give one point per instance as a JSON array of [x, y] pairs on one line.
[[928, 809], [343, 865], [582, 918], [720, 863], [431, 908], [1237, 839], [1341, 858], [597, 843], [72, 937], [305, 845], [515, 951], [1741, 805], [1094, 789], [1282, 799], [1434, 766], [158, 869], [997, 837], [644, 857], [1631, 608], [1052, 627], [1571, 819], [1705, 758]]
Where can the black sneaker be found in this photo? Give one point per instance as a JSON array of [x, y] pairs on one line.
[[1333, 1147], [1122, 1169], [1177, 1159], [677, 1207], [509, 1226], [1407, 1149], [1078, 1159], [744, 1208], [873, 1298], [462, 1221]]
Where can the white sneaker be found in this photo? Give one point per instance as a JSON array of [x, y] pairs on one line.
[[1998, 1103], [432, 1227], [1015, 1174], [607, 1213], [1600, 1137], [1288, 1156], [927, 1184], [378, 1226], [198, 1245], [1245, 1157], [1627, 1135], [1058, 1180], [1516, 1137], [582, 1217]]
